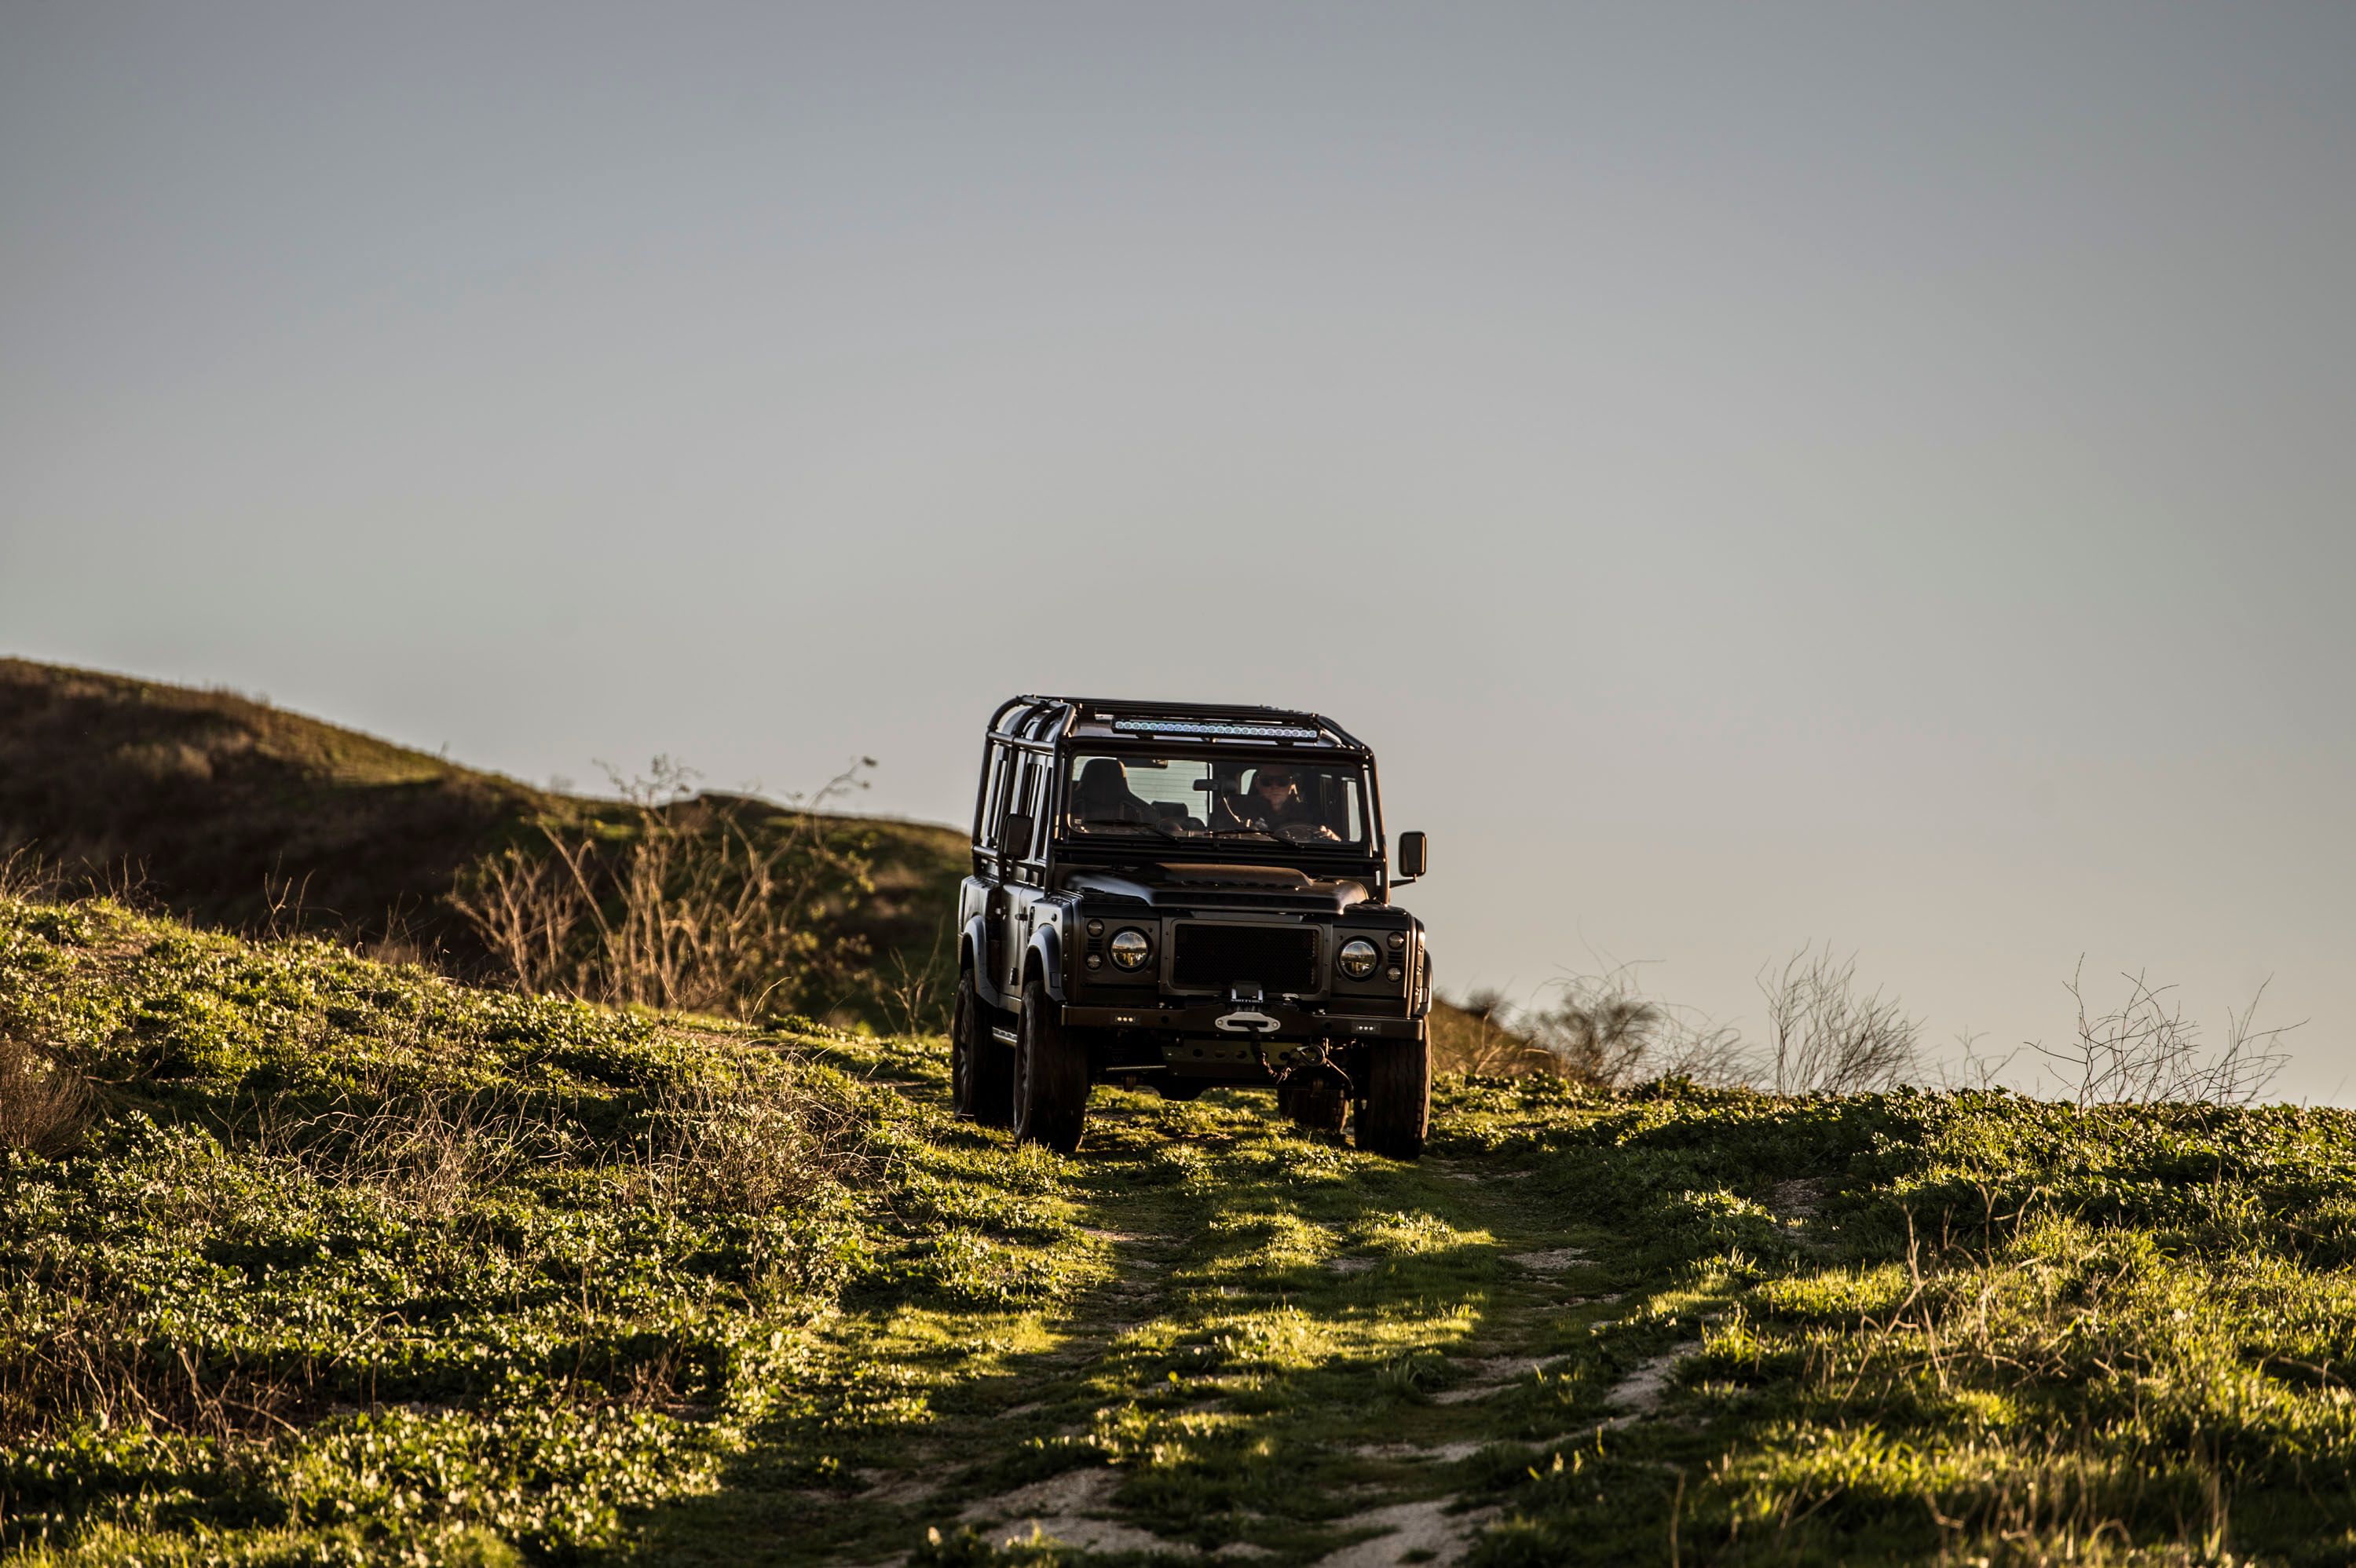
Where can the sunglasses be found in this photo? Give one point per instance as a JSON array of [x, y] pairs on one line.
[[1282, 781]]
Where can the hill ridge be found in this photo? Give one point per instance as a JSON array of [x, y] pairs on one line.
[[234, 810]]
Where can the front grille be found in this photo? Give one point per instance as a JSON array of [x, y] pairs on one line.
[[1278, 958]]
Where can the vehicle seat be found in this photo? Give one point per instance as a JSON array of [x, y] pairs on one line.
[[1104, 794]]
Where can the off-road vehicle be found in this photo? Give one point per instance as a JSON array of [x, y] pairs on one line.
[[1183, 896]]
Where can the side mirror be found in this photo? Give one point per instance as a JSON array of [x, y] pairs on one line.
[[1015, 836], [1411, 856]]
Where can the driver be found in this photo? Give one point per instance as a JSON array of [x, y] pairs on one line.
[[1276, 805]]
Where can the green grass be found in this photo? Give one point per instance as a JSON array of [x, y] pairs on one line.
[[694, 1292], [356, 1257]]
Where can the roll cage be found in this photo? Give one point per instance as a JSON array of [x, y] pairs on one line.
[[1021, 796]]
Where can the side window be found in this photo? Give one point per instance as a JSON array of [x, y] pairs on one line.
[[994, 806], [1024, 800]]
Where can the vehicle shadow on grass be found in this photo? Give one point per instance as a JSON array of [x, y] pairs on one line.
[[1261, 1333]]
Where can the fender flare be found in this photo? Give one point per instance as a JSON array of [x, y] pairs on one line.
[[1047, 947], [970, 948]]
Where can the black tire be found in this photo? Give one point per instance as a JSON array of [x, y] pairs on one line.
[[1051, 1077], [981, 1071], [1396, 1110], [1315, 1099]]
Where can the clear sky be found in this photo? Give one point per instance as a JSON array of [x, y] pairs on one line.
[[1868, 474]]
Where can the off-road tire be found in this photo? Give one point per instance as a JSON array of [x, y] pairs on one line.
[[981, 1071], [1397, 1109], [1309, 1101], [1051, 1077]]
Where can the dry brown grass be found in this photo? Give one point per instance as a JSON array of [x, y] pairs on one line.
[[741, 1145], [93, 1356], [705, 905], [1477, 1036], [44, 1103]]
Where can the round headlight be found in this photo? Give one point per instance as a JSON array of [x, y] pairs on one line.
[[1357, 958], [1129, 948]]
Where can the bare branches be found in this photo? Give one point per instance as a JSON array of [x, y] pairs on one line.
[[1827, 1037], [2143, 1050], [26, 874], [1969, 1069], [1604, 1030], [695, 901], [1825, 1034]]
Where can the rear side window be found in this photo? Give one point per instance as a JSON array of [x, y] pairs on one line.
[[993, 804], [1026, 800]]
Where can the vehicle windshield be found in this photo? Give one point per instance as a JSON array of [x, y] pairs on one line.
[[1266, 801]]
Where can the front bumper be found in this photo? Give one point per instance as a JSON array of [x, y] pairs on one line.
[[1246, 1021]]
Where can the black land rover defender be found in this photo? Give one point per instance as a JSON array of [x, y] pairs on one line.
[[1182, 896]]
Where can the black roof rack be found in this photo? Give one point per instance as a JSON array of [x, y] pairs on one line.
[[1051, 718]]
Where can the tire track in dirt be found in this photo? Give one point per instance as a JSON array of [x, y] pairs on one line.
[[1288, 1352]]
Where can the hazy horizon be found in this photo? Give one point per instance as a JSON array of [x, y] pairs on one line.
[[1825, 475]]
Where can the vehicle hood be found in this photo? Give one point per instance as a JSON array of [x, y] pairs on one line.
[[1185, 886]]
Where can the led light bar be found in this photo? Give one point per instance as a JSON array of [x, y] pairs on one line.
[[1211, 727]]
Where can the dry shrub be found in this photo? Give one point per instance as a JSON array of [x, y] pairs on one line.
[[1607, 1032], [1477, 1035], [740, 1144], [708, 903], [1601, 1031], [1968, 1069], [434, 1151], [44, 1103], [1603, 1028], [79, 1352], [1827, 1036], [28, 876], [2144, 1051]]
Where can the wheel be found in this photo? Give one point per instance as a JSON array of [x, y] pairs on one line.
[[981, 1071], [1397, 1108], [1051, 1077], [1315, 1099]]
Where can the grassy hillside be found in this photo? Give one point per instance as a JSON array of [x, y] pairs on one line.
[[350, 1257], [352, 1263], [231, 808]]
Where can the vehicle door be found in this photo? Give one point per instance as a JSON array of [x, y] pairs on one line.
[[989, 868], [1022, 830]]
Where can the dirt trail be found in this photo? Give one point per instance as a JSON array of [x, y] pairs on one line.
[[1289, 1353], [1400, 1506]]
